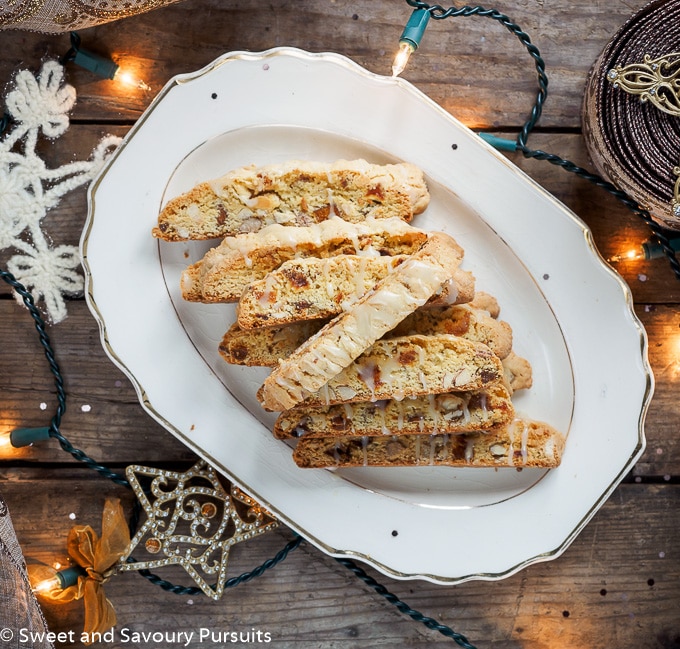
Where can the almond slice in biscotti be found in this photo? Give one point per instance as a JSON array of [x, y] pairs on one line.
[[237, 261], [411, 366], [344, 338], [293, 193], [521, 444], [431, 414], [313, 288]]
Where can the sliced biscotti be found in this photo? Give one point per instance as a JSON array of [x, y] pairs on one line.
[[411, 366], [459, 320], [452, 412], [296, 193], [521, 444], [264, 346], [345, 337], [237, 261], [313, 288], [517, 372]]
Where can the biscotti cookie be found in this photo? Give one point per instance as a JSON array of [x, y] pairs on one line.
[[313, 288], [459, 320], [517, 372], [228, 268], [485, 302], [345, 337], [411, 366], [521, 444], [264, 346], [453, 412], [295, 193]]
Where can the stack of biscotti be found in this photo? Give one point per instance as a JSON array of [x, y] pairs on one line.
[[382, 350]]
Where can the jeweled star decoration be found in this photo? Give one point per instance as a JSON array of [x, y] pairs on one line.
[[192, 522]]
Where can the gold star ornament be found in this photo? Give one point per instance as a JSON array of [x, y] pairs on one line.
[[191, 521]]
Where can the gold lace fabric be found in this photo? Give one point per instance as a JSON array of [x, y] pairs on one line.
[[55, 16]]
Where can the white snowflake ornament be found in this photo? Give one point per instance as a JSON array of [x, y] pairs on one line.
[[28, 189]]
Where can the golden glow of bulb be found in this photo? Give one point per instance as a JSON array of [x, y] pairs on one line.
[[401, 58], [128, 79], [47, 585], [50, 582], [5, 442], [43, 578], [631, 255]]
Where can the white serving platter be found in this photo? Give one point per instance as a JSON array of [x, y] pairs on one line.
[[571, 315]]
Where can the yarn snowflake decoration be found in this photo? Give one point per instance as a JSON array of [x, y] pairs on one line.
[[28, 189]]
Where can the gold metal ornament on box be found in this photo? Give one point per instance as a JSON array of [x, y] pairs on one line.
[[658, 82], [631, 111], [654, 80], [193, 522]]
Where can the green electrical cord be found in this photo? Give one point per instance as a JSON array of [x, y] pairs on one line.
[[520, 144], [79, 455], [437, 12]]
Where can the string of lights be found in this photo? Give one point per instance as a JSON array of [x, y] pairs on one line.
[[63, 578], [102, 66], [660, 243], [409, 42], [20, 437]]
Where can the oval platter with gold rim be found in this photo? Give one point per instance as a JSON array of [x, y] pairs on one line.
[[571, 315]]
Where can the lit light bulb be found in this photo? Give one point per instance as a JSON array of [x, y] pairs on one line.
[[102, 66], [128, 79], [410, 39], [6, 442], [47, 585], [19, 437], [401, 58], [651, 249], [631, 255], [49, 580]]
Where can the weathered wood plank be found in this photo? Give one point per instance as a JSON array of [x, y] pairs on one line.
[[618, 584], [103, 416], [465, 64], [616, 230]]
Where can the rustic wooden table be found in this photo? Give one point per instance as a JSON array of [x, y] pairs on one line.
[[617, 585]]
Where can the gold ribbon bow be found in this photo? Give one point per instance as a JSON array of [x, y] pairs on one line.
[[98, 557]]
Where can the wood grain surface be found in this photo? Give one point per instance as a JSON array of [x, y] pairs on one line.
[[617, 585]]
